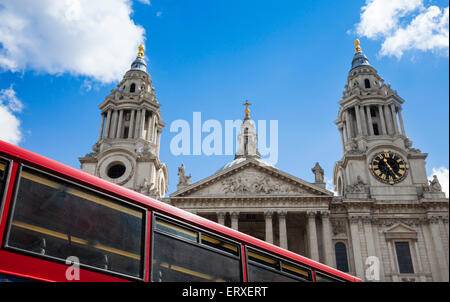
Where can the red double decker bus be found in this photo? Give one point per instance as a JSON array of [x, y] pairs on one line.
[[54, 217]]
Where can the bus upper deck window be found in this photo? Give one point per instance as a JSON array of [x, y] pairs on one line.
[[3, 174], [54, 218]]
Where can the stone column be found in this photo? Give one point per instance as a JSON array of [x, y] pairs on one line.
[[283, 229], [444, 225], [431, 253], [119, 127], [269, 226], [354, 233], [330, 260], [394, 265], [358, 120], [158, 145], [142, 124], [402, 126], [221, 218], [108, 124], [394, 119], [137, 123], [388, 119], [150, 127], [369, 238], [376, 235], [439, 248], [155, 129], [100, 134], [312, 236], [419, 261], [382, 122], [341, 131], [363, 120], [131, 131], [348, 121], [112, 132], [235, 221], [369, 120]]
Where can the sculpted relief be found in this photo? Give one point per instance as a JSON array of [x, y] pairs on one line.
[[251, 182], [257, 185]]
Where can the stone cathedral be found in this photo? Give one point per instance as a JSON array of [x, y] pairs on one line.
[[385, 222]]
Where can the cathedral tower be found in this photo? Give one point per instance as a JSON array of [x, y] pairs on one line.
[[378, 158], [127, 150], [393, 220]]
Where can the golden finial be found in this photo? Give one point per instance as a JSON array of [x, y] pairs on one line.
[[247, 111], [141, 51], [357, 46]]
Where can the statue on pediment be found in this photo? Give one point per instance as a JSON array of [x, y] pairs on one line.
[[435, 186]]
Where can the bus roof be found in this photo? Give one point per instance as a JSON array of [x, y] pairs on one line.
[[49, 165]]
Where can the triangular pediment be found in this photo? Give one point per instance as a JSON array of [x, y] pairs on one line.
[[400, 231], [400, 228], [251, 178]]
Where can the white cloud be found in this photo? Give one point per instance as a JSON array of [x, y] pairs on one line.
[[145, 2], [97, 39], [442, 175], [405, 25], [380, 17], [9, 123], [330, 186]]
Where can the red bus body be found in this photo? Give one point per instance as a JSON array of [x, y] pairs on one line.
[[27, 266]]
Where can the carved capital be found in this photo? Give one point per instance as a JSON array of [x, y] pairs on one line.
[[354, 218], [325, 214], [433, 219], [366, 219], [311, 214], [268, 214], [282, 214], [234, 215], [221, 215]]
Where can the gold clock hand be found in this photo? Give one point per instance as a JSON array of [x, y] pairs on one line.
[[385, 160]]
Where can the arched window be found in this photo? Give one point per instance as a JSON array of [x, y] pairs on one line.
[[341, 257], [133, 87], [367, 83]]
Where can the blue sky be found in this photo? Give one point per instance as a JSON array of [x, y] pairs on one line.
[[290, 59]]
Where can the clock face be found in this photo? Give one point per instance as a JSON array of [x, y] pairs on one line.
[[388, 167]]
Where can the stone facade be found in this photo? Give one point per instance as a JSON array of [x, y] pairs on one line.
[[386, 219], [394, 228]]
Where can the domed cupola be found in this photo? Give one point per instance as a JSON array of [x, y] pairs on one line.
[[360, 58], [139, 62]]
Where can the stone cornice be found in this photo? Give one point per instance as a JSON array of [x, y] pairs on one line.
[[250, 198], [255, 205], [388, 207]]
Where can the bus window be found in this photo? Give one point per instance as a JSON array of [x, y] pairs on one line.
[[262, 267], [324, 278], [179, 259], [3, 174], [11, 278], [58, 220]]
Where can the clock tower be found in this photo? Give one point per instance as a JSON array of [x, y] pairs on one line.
[[378, 160]]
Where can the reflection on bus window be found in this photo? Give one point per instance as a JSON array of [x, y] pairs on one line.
[[59, 220], [176, 259], [324, 278], [266, 268]]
